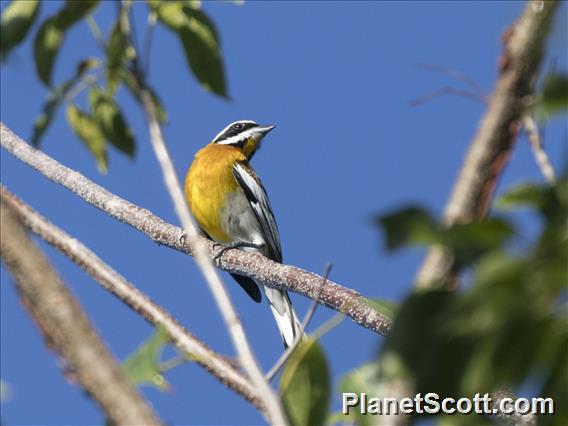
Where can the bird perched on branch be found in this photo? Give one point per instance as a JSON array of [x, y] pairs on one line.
[[231, 206]]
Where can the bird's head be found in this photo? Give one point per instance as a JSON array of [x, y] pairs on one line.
[[245, 135]]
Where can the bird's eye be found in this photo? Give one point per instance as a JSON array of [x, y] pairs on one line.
[[238, 126]]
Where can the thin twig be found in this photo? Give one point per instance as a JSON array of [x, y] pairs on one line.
[[540, 156], [448, 91], [327, 326], [233, 323], [254, 265], [152, 19], [86, 81], [220, 367], [309, 315], [96, 32], [458, 75], [172, 363], [66, 328]]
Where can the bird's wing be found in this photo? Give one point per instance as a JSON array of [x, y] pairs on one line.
[[258, 200]]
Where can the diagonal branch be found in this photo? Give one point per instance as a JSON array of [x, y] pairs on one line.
[[67, 329], [491, 147], [112, 281], [286, 277]]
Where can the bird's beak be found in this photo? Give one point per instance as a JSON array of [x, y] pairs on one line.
[[265, 129]]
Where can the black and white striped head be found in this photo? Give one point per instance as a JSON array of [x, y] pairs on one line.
[[243, 134]]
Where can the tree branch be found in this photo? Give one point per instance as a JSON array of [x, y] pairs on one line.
[[491, 147], [254, 265], [67, 329], [112, 281]]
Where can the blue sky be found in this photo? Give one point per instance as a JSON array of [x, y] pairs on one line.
[[337, 79]]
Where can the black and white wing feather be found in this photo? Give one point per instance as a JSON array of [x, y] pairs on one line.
[[260, 204]]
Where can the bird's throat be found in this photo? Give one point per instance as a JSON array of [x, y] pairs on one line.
[[250, 147]]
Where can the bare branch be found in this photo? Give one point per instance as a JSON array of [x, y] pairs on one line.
[[96, 32], [538, 150], [456, 74], [491, 147], [151, 25], [254, 265], [447, 91], [108, 278], [66, 328], [232, 321]]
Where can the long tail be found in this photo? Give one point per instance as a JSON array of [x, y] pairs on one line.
[[283, 312]]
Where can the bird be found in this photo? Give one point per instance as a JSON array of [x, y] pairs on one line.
[[231, 206]]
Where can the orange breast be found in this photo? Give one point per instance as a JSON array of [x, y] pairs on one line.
[[208, 182]]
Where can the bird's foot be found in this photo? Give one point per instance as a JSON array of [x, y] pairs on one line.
[[233, 245]]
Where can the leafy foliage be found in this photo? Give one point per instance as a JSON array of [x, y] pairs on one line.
[[56, 98], [305, 385], [118, 50], [87, 130], [414, 226], [122, 65], [199, 40], [17, 19], [510, 327], [110, 120], [553, 98], [143, 366], [51, 34]]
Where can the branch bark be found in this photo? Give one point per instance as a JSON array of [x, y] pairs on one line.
[[108, 278], [66, 328], [491, 147], [254, 265]]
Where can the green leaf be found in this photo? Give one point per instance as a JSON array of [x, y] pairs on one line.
[[305, 385], [426, 345], [414, 226], [409, 226], [110, 120], [51, 34], [468, 241], [90, 134], [44, 120], [119, 51], [17, 19], [74, 11], [554, 96], [55, 98], [142, 366], [522, 195], [116, 55], [200, 41], [46, 45]]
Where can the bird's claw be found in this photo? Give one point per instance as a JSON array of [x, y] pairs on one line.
[[232, 245]]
